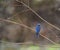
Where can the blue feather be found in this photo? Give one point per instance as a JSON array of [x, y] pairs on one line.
[[37, 30]]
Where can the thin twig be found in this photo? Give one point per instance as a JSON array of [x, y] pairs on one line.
[[54, 33], [22, 12], [39, 16], [41, 19], [17, 14]]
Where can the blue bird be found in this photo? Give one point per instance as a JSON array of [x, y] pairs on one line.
[[38, 28]]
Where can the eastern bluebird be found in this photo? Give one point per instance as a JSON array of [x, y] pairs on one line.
[[37, 30]]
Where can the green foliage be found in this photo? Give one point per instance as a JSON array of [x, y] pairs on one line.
[[31, 48]]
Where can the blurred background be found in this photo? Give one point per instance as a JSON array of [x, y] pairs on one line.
[[15, 11]]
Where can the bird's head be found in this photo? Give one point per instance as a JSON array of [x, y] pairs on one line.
[[38, 24]]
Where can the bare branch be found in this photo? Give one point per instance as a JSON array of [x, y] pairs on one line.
[[27, 28], [39, 16]]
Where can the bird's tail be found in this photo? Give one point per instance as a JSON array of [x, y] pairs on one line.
[[37, 35]]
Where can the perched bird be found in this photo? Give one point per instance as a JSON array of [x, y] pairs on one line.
[[38, 28]]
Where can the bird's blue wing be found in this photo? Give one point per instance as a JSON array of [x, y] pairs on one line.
[[37, 29]]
